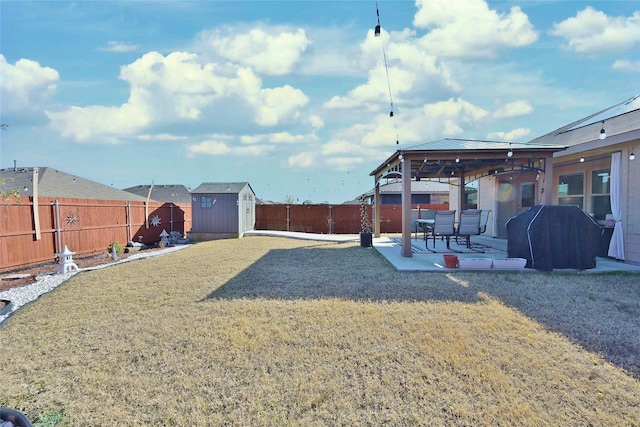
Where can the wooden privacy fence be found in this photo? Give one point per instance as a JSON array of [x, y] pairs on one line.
[[32, 233], [330, 219]]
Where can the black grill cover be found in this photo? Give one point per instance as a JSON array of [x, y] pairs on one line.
[[551, 237]]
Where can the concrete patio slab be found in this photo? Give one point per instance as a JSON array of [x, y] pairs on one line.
[[389, 246], [423, 260]]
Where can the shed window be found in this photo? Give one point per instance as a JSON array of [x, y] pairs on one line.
[[206, 202]]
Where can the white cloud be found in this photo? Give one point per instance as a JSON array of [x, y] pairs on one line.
[[98, 124], [315, 121], [119, 47], [343, 163], [592, 32], [302, 160], [211, 147], [278, 138], [468, 28], [513, 109], [514, 135], [25, 86], [340, 146], [179, 88], [273, 51], [253, 150], [162, 137], [410, 72], [627, 66], [279, 103]]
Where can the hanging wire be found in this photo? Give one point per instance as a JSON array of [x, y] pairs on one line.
[[377, 33]]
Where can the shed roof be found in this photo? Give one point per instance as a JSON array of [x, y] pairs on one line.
[[221, 187], [55, 183], [163, 193]]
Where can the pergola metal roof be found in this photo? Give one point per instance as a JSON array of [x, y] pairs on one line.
[[466, 158]]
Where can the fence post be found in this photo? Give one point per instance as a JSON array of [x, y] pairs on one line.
[[129, 232], [171, 214], [288, 219], [56, 213]]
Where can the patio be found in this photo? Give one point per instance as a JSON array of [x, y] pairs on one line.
[[390, 247], [424, 260]]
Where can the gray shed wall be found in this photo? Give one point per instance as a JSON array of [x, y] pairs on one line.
[[230, 214]]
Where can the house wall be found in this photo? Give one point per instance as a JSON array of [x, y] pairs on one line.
[[486, 201], [632, 225], [630, 197]]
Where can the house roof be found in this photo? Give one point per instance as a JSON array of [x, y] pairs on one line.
[[55, 183], [163, 193], [221, 187], [621, 123]]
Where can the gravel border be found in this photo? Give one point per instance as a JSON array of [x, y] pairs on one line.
[[45, 283]]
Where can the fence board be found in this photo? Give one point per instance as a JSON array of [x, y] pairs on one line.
[[87, 227]]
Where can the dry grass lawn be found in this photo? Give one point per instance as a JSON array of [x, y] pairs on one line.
[[273, 331]]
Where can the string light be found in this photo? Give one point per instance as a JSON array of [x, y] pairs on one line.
[[386, 67], [603, 133]]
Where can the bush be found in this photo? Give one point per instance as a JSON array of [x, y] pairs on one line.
[[118, 247]]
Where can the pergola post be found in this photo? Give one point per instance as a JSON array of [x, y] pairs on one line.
[[546, 195], [406, 207], [462, 205], [376, 209]]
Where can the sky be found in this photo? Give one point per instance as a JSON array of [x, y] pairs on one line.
[[295, 97]]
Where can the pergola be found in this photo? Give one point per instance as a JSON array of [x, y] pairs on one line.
[[463, 160]]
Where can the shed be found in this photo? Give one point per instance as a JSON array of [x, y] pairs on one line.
[[222, 210]]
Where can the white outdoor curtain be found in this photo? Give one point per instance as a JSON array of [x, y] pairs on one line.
[[616, 247]]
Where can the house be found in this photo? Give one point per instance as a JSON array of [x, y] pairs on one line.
[[222, 210], [50, 182], [599, 172], [423, 192], [163, 193]]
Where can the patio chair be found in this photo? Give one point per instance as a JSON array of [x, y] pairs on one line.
[[443, 227], [425, 215], [414, 223], [469, 226]]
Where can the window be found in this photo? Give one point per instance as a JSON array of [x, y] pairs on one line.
[[528, 198], [571, 190], [600, 189], [206, 202]]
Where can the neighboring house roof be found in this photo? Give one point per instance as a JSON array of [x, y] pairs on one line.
[[221, 187], [424, 186], [55, 183], [163, 193]]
